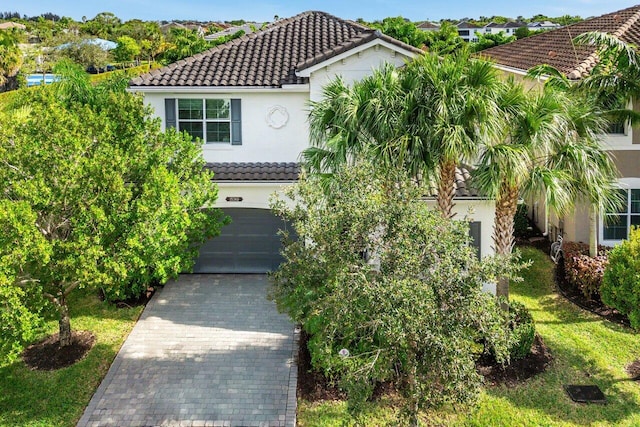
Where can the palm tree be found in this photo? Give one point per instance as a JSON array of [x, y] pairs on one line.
[[456, 110], [426, 118], [549, 146]]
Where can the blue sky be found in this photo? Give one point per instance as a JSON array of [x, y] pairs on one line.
[[205, 10]]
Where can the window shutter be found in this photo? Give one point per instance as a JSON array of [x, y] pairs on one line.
[[170, 113], [236, 122], [475, 232]]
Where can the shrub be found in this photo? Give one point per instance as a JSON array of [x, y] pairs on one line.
[[523, 330], [521, 227], [582, 271], [621, 284], [409, 311]]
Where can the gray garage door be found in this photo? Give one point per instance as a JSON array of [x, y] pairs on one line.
[[250, 244]]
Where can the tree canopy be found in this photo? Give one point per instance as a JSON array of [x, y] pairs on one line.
[[96, 195]]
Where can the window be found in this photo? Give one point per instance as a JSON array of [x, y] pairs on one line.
[[463, 32], [207, 119], [618, 224], [616, 128]]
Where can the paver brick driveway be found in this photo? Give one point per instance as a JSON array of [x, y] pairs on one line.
[[207, 350]]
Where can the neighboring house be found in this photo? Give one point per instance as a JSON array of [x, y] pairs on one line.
[[544, 25], [469, 32], [247, 28], [429, 26], [166, 28], [248, 102], [556, 48], [509, 28], [10, 25]]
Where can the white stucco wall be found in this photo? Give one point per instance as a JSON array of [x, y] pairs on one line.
[[263, 140], [354, 67]]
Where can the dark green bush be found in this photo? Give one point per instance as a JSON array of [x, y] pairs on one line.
[[621, 283], [521, 227], [523, 330]]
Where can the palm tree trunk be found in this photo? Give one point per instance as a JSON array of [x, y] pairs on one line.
[[503, 240], [446, 188]]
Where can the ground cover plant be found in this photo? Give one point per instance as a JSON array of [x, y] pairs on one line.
[[587, 349]]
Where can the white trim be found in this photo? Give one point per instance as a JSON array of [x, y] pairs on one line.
[[302, 88], [626, 184], [306, 72]]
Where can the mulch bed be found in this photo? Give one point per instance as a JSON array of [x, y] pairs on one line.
[[47, 355], [536, 362], [593, 305], [313, 386]]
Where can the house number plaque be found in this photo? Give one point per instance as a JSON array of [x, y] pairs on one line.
[[233, 199]]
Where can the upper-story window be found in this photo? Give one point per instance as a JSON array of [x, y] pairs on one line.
[[207, 119], [617, 224]]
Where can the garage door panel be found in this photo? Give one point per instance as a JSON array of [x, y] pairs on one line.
[[250, 244]]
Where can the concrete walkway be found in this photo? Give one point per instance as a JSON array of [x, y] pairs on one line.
[[208, 350]]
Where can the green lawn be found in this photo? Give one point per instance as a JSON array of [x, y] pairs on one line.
[[586, 349], [58, 398]]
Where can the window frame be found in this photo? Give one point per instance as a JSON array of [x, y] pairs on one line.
[[205, 120], [630, 186]]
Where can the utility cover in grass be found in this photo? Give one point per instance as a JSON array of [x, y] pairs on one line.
[[585, 393]]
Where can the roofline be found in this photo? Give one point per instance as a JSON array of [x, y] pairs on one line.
[[306, 72], [300, 88]]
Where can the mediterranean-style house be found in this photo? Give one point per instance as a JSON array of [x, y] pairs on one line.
[[247, 102], [556, 48]]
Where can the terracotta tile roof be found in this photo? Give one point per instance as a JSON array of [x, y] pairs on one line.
[[248, 172], [464, 186], [556, 47], [254, 171], [269, 57], [429, 25]]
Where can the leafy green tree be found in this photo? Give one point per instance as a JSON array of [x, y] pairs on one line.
[[10, 55], [112, 201], [444, 41], [127, 49], [183, 43], [381, 303], [485, 41], [103, 25], [84, 54], [401, 29]]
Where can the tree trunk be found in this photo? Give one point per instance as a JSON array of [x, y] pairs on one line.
[[506, 206], [64, 323], [593, 231], [446, 188]]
